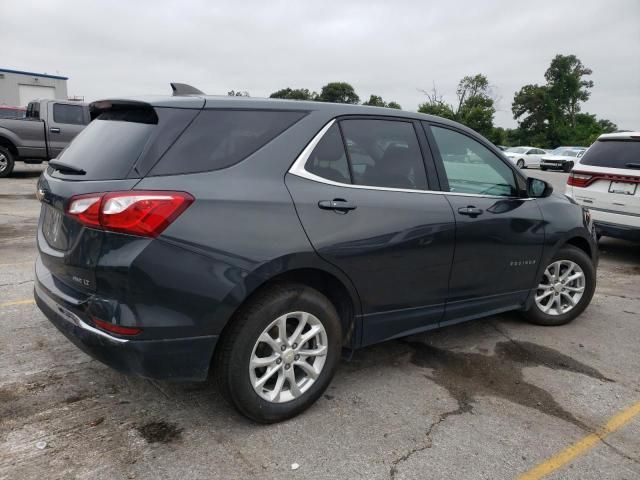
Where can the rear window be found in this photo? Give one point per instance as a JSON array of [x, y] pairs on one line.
[[68, 114], [613, 154], [107, 149], [220, 138]]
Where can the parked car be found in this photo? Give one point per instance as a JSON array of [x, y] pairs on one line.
[[562, 158], [524, 157], [261, 237], [46, 129], [12, 112], [606, 181]]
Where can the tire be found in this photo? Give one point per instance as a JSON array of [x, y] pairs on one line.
[[567, 167], [568, 253], [7, 162], [239, 345], [520, 164], [543, 168]]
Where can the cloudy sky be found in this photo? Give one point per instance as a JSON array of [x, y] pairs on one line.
[[388, 48]]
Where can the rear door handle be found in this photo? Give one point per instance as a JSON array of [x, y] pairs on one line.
[[54, 130], [470, 211], [337, 204]]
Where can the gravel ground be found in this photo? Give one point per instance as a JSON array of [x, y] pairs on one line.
[[488, 399]]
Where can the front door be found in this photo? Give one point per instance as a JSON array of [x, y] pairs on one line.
[[499, 234], [366, 209]]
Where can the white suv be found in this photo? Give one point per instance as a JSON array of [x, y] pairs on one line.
[[607, 181]]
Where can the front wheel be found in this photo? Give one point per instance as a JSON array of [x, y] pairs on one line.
[[565, 289], [520, 163], [7, 162], [280, 353]]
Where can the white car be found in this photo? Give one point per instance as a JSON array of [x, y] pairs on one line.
[[607, 181], [563, 158], [525, 157]]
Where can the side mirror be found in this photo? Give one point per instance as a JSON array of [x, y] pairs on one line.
[[537, 188]]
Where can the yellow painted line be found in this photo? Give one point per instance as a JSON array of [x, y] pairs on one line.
[[581, 446], [27, 301]]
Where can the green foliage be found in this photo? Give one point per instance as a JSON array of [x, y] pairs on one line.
[[548, 115], [475, 107], [295, 94], [238, 93], [338, 92], [377, 101]]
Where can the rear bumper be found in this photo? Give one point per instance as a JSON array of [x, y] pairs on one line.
[[179, 359], [623, 232]]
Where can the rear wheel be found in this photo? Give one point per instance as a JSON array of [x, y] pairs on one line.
[[520, 163], [565, 289], [280, 353], [7, 162]]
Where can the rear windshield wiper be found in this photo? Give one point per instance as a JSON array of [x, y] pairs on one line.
[[66, 168], [632, 165]]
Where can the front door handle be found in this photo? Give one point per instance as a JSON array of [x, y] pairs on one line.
[[337, 204], [470, 211], [54, 130]]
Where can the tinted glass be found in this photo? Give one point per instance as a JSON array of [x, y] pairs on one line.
[[107, 149], [613, 154], [69, 114], [384, 153], [329, 160], [471, 167], [220, 138]]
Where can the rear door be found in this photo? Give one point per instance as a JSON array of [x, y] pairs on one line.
[[64, 122], [366, 209], [499, 235]]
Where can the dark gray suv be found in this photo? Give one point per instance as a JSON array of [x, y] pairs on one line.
[[260, 238]]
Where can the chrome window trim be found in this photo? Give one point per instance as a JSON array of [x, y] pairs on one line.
[[298, 170]]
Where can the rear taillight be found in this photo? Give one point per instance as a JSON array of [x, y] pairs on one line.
[[579, 179], [145, 213], [113, 328]]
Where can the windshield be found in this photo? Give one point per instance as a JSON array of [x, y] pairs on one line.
[[565, 152], [517, 149]]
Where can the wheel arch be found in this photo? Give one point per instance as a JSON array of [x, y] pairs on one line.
[[8, 144]]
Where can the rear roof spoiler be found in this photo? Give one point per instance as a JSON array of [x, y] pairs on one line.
[[182, 89]]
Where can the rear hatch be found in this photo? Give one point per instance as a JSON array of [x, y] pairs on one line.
[[121, 144], [607, 177]]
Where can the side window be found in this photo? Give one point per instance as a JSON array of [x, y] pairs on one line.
[[329, 160], [471, 167], [69, 114], [384, 153]]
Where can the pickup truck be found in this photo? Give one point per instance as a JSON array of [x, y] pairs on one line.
[[48, 127]]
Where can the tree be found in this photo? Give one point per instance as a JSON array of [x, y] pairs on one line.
[[567, 86], [295, 94], [531, 107], [238, 93], [475, 105], [338, 92], [377, 101]]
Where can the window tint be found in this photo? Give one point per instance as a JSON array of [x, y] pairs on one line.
[[612, 154], [69, 114], [384, 153], [471, 167], [329, 160], [220, 138]]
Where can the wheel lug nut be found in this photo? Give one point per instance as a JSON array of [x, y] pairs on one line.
[[279, 361], [287, 366], [297, 357], [295, 345], [283, 348]]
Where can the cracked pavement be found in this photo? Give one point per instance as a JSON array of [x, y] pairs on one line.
[[488, 399]]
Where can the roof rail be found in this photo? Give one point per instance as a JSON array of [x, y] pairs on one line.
[[182, 89]]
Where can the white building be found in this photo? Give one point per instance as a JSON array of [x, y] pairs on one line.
[[18, 88]]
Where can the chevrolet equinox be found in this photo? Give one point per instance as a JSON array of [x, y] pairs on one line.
[[259, 238]]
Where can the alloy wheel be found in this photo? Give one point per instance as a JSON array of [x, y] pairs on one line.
[[4, 162], [561, 289], [288, 357]]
